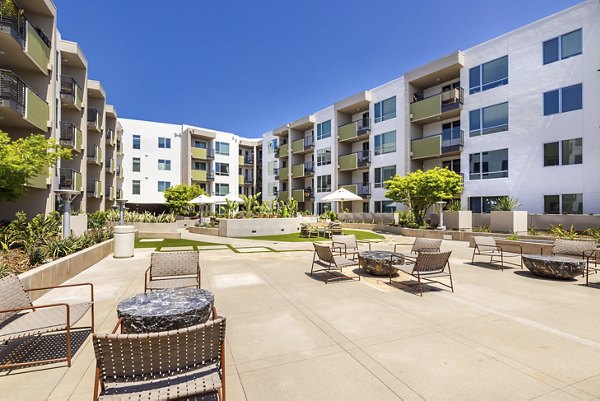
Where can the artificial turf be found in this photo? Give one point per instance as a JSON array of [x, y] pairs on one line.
[[295, 237], [171, 242]]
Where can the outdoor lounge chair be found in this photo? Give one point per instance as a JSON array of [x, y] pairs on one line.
[[19, 318], [424, 245], [325, 258], [346, 245], [177, 364], [486, 246], [173, 270], [308, 230], [426, 266], [578, 249]]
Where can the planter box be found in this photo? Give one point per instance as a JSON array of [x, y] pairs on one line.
[[155, 227], [461, 220], [79, 224], [60, 270], [509, 222], [259, 227], [204, 231]]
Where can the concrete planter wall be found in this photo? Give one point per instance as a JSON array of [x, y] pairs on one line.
[[155, 227], [458, 220], [79, 224], [581, 222], [60, 270], [509, 221], [204, 231], [259, 227], [481, 219]]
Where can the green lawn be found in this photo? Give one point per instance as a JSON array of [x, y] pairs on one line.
[[360, 235], [172, 242]]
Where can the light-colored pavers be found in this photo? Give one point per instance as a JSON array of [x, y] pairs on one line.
[[253, 249], [152, 240], [290, 336], [176, 248]]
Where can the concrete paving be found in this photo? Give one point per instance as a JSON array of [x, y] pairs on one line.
[[500, 335]]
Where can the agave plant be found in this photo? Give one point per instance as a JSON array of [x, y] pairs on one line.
[[506, 204], [454, 206]]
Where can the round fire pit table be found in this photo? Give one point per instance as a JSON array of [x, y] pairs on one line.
[[162, 310], [378, 263], [557, 267]]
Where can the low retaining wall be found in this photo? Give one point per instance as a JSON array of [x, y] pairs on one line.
[[155, 227], [60, 270], [259, 227], [142, 234], [581, 222], [204, 231]]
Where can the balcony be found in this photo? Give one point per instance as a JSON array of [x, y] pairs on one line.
[[111, 193], [110, 166], [354, 161], [441, 106], [199, 175], [119, 148], [282, 151], [283, 173], [362, 189], [303, 194], [94, 121], [303, 146], [298, 170], [111, 137], [119, 171], [248, 160], [20, 106], [71, 94], [71, 136], [94, 155], [358, 130], [40, 180], [28, 46], [94, 189], [69, 179], [445, 144], [246, 179], [203, 153], [283, 196]]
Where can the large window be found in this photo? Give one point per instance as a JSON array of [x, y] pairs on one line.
[[222, 168], [135, 187], [452, 165], [164, 164], [488, 120], [385, 143], [565, 204], [221, 189], [565, 152], [487, 165], [137, 141], [164, 143], [163, 186], [385, 110], [199, 144], [562, 47], [324, 130], [271, 167], [324, 183], [563, 100], [323, 207], [482, 204], [382, 174], [136, 164], [488, 75], [222, 148], [196, 165], [323, 156], [384, 207], [272, 145]]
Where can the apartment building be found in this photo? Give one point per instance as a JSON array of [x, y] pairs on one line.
[[44, 89]]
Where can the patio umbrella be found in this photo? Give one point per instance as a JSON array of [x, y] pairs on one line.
[[202, 200], [341, 195]]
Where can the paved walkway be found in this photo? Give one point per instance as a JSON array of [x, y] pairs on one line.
[[501, 335]]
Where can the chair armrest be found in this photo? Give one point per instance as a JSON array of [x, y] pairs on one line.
[[339, 246], [34, 307], [66, 286], [362, 241], [395, 245], [119, 322]]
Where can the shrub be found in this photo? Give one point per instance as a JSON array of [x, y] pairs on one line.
[[506, 204], [560, 232], [482, 229]]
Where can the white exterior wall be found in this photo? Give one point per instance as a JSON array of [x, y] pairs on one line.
[[268, 179], [331, 142], [149, 153], [528, 179]]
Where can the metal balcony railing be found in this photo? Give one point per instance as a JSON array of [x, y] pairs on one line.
[[12, 90], [67, 179], [92, 115], [92, 187], [309, 142], [309, 168], [13, 16], [363, 158], [452, 140], [68, 134], [68, 86]]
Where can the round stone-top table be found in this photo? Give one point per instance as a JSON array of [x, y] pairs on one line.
[[162, 310], [378, 263], [558, 267]]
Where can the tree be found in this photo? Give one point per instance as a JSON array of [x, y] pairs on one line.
[[421, 189], [178, 198], [23, 159]]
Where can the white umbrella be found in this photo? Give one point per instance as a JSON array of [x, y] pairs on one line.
[[341, 195], [202, 200]]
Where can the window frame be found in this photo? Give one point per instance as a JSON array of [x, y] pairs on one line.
[[322, 159], [560, 156], [560, 108], [218, 149], [164, 142], [136, 161], [379, 109], [166, 165], [324, 186], [219, 186], [134, 184], [481, 131], [320, 130], [381, 148], [136, 142], [481, 86], [379, 172], [560, 45], [218, 171], [166, 184], [481, 175]]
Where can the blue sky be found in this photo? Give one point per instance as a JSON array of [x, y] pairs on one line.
[[250, 66]]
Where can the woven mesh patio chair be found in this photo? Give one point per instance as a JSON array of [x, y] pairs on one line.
[[19, 318], [177, 364], [486, 246], [173, 270], [580, 249], [346, 245], [424, 245], [325, 258], [426, 266]]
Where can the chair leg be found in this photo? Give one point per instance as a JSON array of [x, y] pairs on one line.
[[68, 344], [420, 284], [473, 257], [450, 273], [501, 260], [313, 264]]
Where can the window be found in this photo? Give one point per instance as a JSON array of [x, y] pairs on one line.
[[452, 165], [324, 183], [384, 207], [488, 75], [562, 47], [196, 165], [482, 204], [272, 166], [565, 204], [137, 141], [385, 143], [487, 165], [135, 187], [488, 120], [221, 189], [164, 143], [565, 152], [222, 168], [199, 144], [163, 186], [382, 174], [272, 189], [323, 207], [136, 164], [164, 164], [563, 100], [385, 109], [272, 145], [323, 157], [324, 130], [221, 148]]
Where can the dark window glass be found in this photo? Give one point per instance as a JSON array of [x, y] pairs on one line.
[[571, 44], [550, 50], [135, 187], [551, 204], [571, 98], [474, 166], [495, 118], [475, 80], [551, 104], [495, 73], [136, 141], [136, 164], [475, 122], [572, 151], [572, 203], [551, 154]]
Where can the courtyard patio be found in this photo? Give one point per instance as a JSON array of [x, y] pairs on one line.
[[501, 334]]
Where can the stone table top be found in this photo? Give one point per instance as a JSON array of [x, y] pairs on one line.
[[557, 267], [376, 255], [168, 309]]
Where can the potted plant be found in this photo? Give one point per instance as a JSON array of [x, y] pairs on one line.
[[505, 218], [455, 218]]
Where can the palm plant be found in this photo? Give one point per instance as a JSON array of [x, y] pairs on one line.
[[506, 204]]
